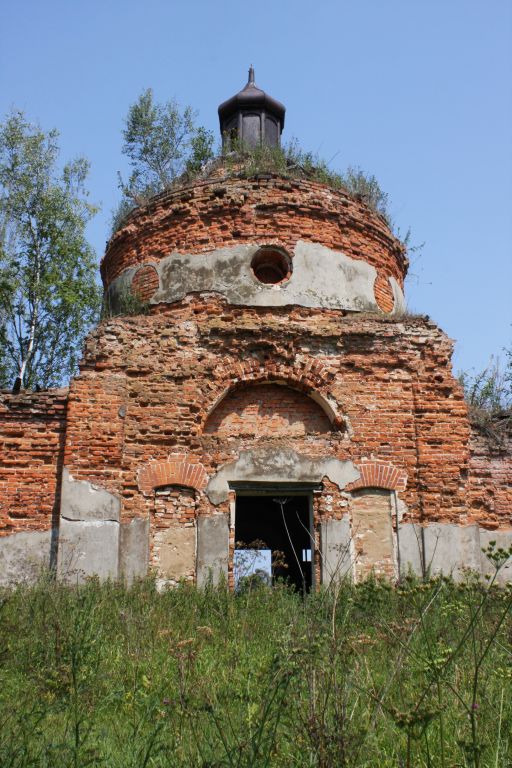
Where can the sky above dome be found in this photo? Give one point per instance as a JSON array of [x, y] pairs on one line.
[[417, 93]]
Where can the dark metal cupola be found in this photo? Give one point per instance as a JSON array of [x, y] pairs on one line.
[[251, 117]]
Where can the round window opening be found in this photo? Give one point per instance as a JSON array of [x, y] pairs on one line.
[[271, 266]]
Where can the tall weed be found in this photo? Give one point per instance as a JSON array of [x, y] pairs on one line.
[[103, 675]]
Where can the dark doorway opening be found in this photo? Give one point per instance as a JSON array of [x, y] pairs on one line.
[[273, 539]]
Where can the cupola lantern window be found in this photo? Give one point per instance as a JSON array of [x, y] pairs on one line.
[[251, 118]]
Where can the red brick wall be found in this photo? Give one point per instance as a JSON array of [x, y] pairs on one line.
[[227, 212], [145, 282], [490, 478], [32, 432], [95, 431], [168, 398], [383, 293], [151, 389], [390, 380], [266, 410]]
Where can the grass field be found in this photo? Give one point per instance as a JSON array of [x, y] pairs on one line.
[[102, 675]]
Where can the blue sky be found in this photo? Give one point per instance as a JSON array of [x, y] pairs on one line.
[[417, 92]]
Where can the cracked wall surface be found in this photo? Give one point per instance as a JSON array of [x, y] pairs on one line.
[[158, 386], [165, 373], [233, 213], [227, 380], [321, 277]]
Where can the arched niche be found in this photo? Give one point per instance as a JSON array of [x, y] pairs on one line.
[[268, 409]]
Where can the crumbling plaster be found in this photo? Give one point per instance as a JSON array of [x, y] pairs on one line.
[[452, 550], [148, 384], [24, 556], [278, 466], [321, 277]]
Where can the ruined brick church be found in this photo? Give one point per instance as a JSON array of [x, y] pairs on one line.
[[272, 389]]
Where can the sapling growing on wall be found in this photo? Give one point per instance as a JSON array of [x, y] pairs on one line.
[[161, 142], [489, 390], [163, 145]]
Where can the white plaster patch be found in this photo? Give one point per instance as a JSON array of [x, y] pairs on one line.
[[81, 500], [279, 466], [321, 277]]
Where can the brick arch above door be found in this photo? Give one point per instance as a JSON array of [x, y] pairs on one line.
[[379, 474], [177, 469]]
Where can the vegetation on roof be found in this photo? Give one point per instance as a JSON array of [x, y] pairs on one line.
[[166, 150], [488, 394]]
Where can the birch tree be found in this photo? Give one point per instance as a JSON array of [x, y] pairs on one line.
[[48, 293], [161, 141]]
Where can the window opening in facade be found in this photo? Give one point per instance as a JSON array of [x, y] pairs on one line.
[[273, 539]]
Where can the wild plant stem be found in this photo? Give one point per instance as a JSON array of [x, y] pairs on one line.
[[498, 740]]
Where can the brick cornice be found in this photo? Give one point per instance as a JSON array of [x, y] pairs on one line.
[[178, 469]]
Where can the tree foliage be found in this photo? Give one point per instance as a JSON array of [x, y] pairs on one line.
[[48, 293], [161, 141]]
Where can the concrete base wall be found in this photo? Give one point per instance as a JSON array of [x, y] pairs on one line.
[[503, 539], [451, 550], [88, 531], [432, 550], [336, 557], [88, 548], [24, 556], [134, 549], [103, 548], [111, 550], [212, 549], [92, 541]]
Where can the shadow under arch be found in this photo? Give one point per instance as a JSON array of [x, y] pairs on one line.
[[329, 408]]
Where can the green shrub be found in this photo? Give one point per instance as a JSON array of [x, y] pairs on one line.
[[288, 161], [126, 303]]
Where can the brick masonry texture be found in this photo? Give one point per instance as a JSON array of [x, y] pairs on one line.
[[145, 282], [177, 470], [148, 410], [163, 401], [150, 385], [490, 479], [383, 293], [227, 212], [267, 410], [32, 433]]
